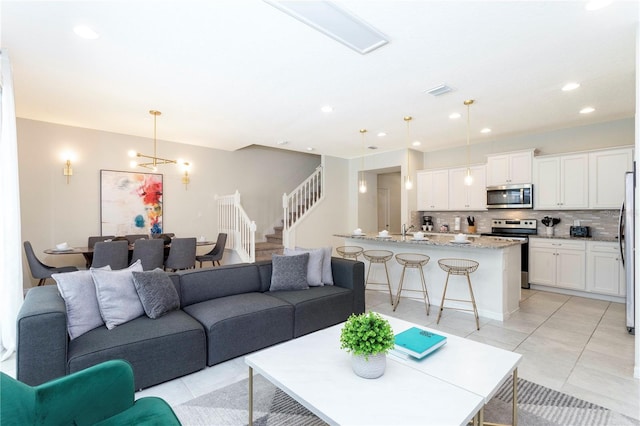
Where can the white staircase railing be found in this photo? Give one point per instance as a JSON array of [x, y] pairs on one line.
[[301, 201], [240, 230]]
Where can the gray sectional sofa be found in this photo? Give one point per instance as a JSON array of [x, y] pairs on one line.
[[224, 312]]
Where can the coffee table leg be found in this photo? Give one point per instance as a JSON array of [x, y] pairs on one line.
[[514, 412], [250, 396], [515, 398]]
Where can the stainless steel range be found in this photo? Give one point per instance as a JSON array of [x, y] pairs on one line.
[[516, 229]]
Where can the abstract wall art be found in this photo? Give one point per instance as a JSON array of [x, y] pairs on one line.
[[130, 202]]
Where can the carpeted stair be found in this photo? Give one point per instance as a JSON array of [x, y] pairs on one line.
[[273, 245]]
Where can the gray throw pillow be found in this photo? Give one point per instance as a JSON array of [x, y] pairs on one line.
[[81, 304], [289, 272], [117, 296], [156, 291], [327, 272], [314, 266]]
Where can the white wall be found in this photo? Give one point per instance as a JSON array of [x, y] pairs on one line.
[[54, 211], [601, 135]]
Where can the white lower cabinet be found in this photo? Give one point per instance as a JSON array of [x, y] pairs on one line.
[[557, 263], [605, 274]]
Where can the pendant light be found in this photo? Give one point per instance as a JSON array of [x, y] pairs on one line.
[[408, 184], [362, 182], [468, 179]]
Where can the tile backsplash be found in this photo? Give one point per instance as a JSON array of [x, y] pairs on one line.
[[601, 223]]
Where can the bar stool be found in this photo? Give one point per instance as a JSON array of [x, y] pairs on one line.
[[378, 256], [416, 261], [349, 252], [459, 267]]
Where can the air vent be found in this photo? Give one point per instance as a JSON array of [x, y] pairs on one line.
[[439, 90]]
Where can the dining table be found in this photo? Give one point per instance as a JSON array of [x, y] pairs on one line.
[[87, 252]]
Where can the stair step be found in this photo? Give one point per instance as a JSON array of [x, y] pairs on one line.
[[274, 238], [265, 250]]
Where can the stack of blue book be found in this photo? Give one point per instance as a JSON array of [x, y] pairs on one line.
[[418, 343]]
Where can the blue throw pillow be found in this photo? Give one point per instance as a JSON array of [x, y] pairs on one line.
[[289, 272]]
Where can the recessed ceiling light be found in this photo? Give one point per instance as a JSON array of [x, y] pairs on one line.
[[597, 4], [309, 148], [485, 130], [85, 32], [587, 110], [382, 134], [282, 142], [327, 108], [455, 115], [570, 86], [416, 143]]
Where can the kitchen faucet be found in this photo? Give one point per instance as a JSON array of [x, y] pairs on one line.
[[405, 229]]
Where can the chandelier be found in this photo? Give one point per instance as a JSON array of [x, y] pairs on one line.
[[154, 160]]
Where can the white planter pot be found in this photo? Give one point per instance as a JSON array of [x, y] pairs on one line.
[[371, 368], [550, 231]]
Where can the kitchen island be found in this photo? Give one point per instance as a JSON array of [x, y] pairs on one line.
[[496, 283]]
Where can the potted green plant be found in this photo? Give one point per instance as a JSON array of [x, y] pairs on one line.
[[368, 337]]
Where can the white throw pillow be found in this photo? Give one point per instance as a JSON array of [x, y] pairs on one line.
[[79, 294], [117, 296], [327, 273], [314, 266]]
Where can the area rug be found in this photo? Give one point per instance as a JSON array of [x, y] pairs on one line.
[[537, 406]]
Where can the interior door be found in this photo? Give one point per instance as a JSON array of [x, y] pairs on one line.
[[384, 209]]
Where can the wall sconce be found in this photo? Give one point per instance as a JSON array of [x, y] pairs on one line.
[[67, 170], [185, 166]]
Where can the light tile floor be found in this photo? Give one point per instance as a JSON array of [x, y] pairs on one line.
[[575, 345]]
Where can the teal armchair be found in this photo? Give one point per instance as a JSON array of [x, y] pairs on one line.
[[102, 394]]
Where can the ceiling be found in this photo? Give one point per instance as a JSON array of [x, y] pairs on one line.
[[228, 74]]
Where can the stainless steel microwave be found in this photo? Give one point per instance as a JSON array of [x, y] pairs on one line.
[[510, 196]]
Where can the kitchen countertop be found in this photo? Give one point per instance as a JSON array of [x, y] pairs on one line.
[[437, 239]]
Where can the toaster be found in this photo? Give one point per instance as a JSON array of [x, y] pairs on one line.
[[579, 231]]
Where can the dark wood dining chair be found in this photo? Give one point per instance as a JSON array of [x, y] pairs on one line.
[[182, 254], [112, 253], [39, 270], [216, 253], [150, 253]]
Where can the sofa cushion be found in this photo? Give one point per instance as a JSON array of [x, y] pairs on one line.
[[318, 307], [204, 284], [327, 273], [157, 293], [314, 265], [158, 349], [242, 323], [79, 294], [289, 272], [117, 296]]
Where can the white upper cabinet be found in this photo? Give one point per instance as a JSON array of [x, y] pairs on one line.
[[468, 197], [433, 190], [606, 177], [509, 168], [561, 182]]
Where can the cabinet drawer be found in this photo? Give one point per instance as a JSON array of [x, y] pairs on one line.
[[557, 244], [603, 247]]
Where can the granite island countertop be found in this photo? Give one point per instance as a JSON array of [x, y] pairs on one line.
[[434, 239]]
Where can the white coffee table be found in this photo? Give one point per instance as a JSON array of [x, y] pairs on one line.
[[315, 372], [474, 366]]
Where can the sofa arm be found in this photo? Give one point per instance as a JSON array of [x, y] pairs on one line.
[[42, 339], [82, 398], [350, 274]]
